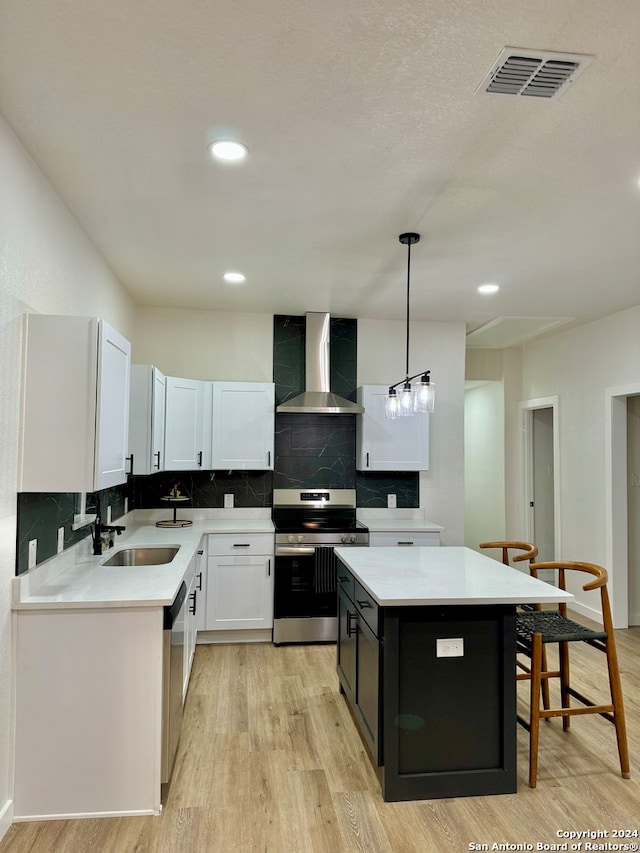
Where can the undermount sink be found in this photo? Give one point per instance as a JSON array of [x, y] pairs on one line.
[[150, 556]]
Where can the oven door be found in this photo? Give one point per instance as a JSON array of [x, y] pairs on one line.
[[304, 581]]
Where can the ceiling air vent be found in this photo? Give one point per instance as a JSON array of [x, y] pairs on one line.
[[532, 73]]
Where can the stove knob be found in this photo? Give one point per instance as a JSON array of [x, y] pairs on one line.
[[352, 538], [300, 537], [291, 538]]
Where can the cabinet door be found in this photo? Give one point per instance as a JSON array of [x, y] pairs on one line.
[[75, 405], [201, 586], [243, 425], [158, 409], [112, 416], [346, 649], [368, 686], [146, 418], [190, 618], [239, 593], [389, 445], [184, 424]]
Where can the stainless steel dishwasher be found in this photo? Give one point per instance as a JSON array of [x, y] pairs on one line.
[[172, 679]]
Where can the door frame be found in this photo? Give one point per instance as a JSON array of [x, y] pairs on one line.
[[616, 519], [528, 407]]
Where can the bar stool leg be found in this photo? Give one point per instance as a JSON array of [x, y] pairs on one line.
[[534, 707], [564, 683], [618, 707]]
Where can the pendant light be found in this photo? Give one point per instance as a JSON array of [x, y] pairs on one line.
[[409, 400]]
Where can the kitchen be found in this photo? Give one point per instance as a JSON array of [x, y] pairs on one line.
[[51, 272]]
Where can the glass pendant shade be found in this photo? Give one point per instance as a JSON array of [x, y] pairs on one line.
[[391, 405], [405, 402], [425, 393]]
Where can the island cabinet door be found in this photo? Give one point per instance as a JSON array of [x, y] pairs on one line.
[[346, 648], [368, 687]]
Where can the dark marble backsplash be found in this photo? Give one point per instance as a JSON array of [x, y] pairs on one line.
[[41, 514], [206, 489]]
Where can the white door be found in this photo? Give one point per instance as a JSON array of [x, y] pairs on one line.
[[184, 424], [243, 426], [112, 416], [543, 482]]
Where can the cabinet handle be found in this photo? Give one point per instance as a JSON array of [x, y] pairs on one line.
[[199, 577], [193, 598], [342, 579], [157, 465], [269, 567], [352, 629], [242, 545], [200, 459], [367, 460], [129, 459], [200, 552], [363, 604], [405, 543]]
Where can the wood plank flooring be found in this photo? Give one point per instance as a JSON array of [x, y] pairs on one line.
[[270, 760]]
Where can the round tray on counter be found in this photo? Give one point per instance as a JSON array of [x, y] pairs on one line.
[[174, 522]]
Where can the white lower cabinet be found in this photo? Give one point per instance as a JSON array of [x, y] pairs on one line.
[[240, 582]]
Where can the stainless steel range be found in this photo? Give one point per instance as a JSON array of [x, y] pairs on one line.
[[309, 524]]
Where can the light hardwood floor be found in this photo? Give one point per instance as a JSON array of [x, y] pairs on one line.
[[270, 760]]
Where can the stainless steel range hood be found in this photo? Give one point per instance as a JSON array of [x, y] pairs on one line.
[[317, 398]]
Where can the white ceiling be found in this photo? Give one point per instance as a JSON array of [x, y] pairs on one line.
[[362, 122]]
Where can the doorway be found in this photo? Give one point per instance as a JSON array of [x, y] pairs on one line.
[[542, 505], [622, 466]]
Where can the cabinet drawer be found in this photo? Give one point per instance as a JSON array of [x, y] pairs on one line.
[[239, 544], [366, 606], [404, 539], [346, 581]]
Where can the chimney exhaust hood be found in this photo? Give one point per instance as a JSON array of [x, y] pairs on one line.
[[317, 398]]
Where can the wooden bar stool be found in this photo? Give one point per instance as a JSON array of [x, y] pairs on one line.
[[537, 628]]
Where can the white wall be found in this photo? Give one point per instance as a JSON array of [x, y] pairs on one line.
[[205, 344], [47, 265], [484, 473], [577, 365], [439, 347]]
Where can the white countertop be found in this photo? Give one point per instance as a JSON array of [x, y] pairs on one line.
[[399, 577], [77, 579]]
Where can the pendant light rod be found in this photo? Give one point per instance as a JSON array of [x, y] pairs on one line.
[[408, 239], [420, 398]]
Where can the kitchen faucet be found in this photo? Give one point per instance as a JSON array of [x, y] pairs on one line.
[[98, 529]]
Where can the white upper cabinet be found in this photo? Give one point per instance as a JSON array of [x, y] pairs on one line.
[[146, 418], [389, 445], [75, 405], [243, 425], [188, 419]]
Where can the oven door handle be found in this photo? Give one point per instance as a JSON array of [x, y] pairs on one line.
[[294, 550]]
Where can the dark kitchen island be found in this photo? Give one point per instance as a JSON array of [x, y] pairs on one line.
[[426, 660]]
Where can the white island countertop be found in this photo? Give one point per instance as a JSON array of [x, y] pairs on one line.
[[78, 579], [414, 577]]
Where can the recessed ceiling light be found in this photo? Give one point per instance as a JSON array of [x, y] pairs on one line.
[[488, 288], [234, 277], [226, 149]]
